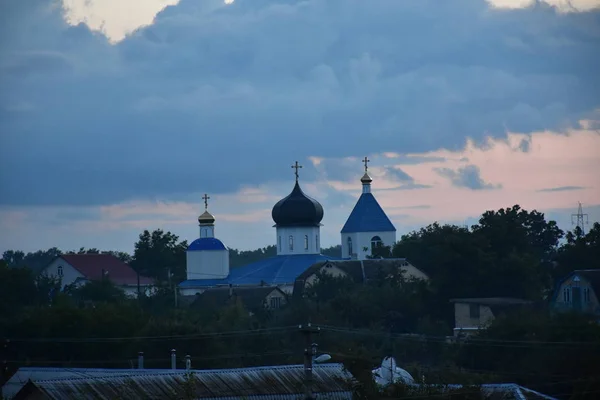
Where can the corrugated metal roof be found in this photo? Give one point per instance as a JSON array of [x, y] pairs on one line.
[[368, 216], [276, 270], [277, 382]]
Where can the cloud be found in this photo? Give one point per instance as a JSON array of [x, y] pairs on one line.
[[467, 177], [212, 97], [562, 189]]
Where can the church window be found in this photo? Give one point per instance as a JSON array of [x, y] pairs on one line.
[[291, 243], [349, 246], [586, 294], [376, 242], [60, 270], [279, 243], [317, 242], [305, 242]]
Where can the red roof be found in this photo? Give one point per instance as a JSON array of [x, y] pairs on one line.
[[93, 265]]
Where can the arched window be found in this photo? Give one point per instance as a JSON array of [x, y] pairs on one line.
[[376, 242], [566, 295], [305, 242], [349, 246], [279, 243], [291, 243]]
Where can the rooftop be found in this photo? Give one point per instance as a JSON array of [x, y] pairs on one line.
[[368, 216], [92, 266]]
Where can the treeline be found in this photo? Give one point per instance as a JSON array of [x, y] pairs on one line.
[[510, 252]]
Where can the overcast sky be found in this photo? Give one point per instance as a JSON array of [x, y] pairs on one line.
[[117, 115]]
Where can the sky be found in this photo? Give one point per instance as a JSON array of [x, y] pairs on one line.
[[116, 116]]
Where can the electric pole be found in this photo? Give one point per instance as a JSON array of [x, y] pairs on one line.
[[580, 219], [307, 330]]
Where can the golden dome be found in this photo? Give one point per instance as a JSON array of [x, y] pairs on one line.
[[206, 218], [366, 178]]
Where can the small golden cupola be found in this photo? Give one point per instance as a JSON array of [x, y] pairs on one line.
[[206, 218]]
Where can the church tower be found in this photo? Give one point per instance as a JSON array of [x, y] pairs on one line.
[[367, 226], [297, 220], [207, 257]]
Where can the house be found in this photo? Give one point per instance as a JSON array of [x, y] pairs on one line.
[[82, 268], [330, 381], [252, 297], [477, 313], [578, 292], [360, 271]]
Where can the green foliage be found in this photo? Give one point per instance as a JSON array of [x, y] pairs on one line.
[[580, 252], [160, 255], [103, 291]]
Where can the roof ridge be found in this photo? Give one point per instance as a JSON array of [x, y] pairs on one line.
[[378, 219]]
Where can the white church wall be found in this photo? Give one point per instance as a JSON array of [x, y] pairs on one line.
[[207, 264], [304, 240], [362, 240], [207, 231]]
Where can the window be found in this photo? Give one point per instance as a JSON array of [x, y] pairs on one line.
[[376, 242], [291, 243], [60, 270], [317, 242], [474, 311], [279, 243], [566, 295], [349, 246], [305, 242], [275, 302], [586, 295]]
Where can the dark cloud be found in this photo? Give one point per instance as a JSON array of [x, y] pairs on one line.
[[213, 97], [562, 189], [467, 177]]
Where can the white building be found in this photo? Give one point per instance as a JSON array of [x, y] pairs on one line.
[[82, 268], [367, 226]]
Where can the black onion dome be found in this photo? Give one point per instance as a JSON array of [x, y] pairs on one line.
[[297, 209]]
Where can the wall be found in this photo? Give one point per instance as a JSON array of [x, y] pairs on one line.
[[463, 320], [207, 264], [330, 269], [363, 239], [70, 274], [298, 233], [275, 294]]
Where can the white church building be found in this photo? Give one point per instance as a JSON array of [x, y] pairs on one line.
[[297, 226]]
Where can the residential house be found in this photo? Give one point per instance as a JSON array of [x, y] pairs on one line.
[[360, 271], [477, 313], [79, 269], [252, 297], [578, 292], [330, 381]]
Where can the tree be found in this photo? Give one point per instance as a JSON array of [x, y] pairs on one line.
[[579, 252], [35, 261], [159, 253]]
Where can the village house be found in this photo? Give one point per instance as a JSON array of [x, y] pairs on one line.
[[253, 298], [473, 314], [79, 269], [578, 292]]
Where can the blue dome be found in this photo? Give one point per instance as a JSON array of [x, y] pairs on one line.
[[206, 244]]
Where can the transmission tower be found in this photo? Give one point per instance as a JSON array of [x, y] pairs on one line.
[[580, 219]]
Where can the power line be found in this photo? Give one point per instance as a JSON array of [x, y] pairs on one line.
[[580, 219]]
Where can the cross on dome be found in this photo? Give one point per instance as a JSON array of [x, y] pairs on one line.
[[296, 166], [205, 198], [366, 161]]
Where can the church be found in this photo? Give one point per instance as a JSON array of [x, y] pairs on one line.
[[297, 226]]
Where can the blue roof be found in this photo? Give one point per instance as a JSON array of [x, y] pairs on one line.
[[368, 216], [272, 271], [206, 244]]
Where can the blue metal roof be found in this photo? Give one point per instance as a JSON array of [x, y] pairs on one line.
[[206, 244], [272, 271], [368, 216]]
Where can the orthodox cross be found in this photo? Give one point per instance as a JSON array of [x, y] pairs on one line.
[[366, 161], [205, 198], [296, 166]]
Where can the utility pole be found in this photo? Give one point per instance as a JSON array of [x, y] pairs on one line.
[[307, 330]]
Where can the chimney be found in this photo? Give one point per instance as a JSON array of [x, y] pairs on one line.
[[188, 362], [173, 359], [141, 360]]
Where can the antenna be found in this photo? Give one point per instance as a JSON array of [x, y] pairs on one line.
[[580, 219]]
